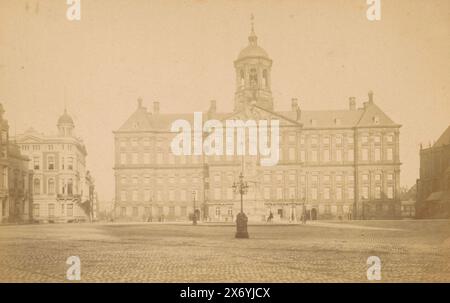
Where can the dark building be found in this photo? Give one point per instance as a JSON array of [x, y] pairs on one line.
[[433, 195]]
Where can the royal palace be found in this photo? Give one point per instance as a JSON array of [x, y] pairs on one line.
[[333, 164]]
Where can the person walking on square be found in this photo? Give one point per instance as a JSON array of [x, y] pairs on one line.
[[269, 219]]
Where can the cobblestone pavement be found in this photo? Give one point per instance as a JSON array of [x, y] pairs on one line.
[[149, 252]]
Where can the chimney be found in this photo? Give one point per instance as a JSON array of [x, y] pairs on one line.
[[155, 107], [212, 107], [294, 104], [370, 96], [352, 103], [139, 100]]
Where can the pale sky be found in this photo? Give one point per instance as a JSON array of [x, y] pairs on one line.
[[181, 54]]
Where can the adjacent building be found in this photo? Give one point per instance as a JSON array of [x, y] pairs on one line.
[[63, 189], [433, 194], [333, 163], [15, 179]]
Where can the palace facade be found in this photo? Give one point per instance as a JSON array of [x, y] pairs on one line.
[[62, 187], [15, 179], [333, 163]]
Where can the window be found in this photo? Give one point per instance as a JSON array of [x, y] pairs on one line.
[[377, 154], [390, 177], [135, 211], [314, 140], [123, 211], [51, 163], [135, 195], [338, 178], [37, 186], [390, 192], [351, 179], [123, 196], [217, 211], [70, 187], [171, 195], [377, 139], [351, 193], [302, 156], [134, 142], [326, 155], [350, 139], [51, 186], [291, 192], [135, 180], [159, 158], [146, 142], [338, 139], [266, 178], [339, 155], [279, 193], [230, 211], [302, 140], [123, 143], [314, 155], [314, 179], [326, 140], [35, 210], [365, 177], [377, 177], [377, 192], [123, 180], [365, 192], [123, 158], [36, 163], [70, 163], [326, 178], [365, 154], [147, 195], [364, 139], [338, 193], [314, 193], [134, 158], [326, 193]]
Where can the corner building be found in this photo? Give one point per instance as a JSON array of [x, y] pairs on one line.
[[61, 184], [333, 163]]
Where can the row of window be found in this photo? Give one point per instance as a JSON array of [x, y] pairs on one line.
[[65, 210], [338, 155], [67, 163], [326, 140], [48, 147], [267, 178], [277, 193], [65, 188]]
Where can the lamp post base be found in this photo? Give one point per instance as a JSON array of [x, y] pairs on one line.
[[241, 226]]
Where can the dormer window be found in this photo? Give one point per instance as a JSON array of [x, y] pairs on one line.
[[242, 78], [313, 122], [265, 80], [337, 121], [376, 120]]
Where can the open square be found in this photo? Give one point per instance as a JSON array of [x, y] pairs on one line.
[[316, 252]]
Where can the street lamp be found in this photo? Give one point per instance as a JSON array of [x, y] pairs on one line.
[[241, 187], [194, 217]]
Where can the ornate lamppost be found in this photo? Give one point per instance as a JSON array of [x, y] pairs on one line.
[[194, 217], [241, 187]]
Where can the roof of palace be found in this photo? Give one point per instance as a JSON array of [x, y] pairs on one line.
[[370, 115]]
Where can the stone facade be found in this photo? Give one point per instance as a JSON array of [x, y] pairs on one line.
[[61, 184], [15, 179], [333, 163]]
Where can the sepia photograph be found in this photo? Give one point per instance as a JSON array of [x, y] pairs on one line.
[[196, 141]]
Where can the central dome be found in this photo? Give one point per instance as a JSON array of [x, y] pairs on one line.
[[253, 51], [65, 118]]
